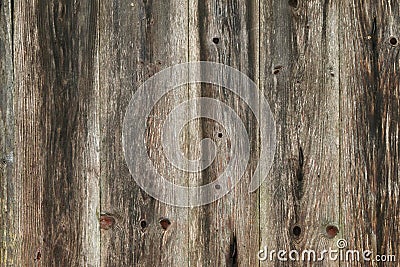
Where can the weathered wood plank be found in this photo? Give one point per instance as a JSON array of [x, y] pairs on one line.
[[299, 76], [370, 89], [56, 146], [138, 39], [8, 203], [225, 232]]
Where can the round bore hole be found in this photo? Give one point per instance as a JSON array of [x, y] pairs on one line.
[[296, 230], [293, 3], [277, 69], [393, 41], [165, 223], [217, 186], [332, 231], [220, 135], [143, 224], [215, 40]]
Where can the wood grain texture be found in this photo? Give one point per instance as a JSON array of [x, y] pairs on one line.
[[8, 203], [138, 39], [225, 233], [299, 76], [68, 69], [56, 146], [370, 88]]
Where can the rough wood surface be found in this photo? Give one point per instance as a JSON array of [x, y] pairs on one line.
[[138, 39], [57, 133], [370, 123], [329, 70], [227, 231], [299, 72], [8, 201]]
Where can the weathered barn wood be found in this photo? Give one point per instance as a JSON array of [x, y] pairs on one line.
[[329, 70], [369, 147], [300, 58], [8, 201], [56, 149], [138, 39], [229, 227]]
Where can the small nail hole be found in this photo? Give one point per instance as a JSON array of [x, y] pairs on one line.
[[143, 224], [293, 3], [296, 230], [217, 186], [393, 41], [277, 69], [165, 223], [331, 231], [215, 40], [219, 135]]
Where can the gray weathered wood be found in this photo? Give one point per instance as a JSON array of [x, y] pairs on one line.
[[8, 203], [138, 39], [57, 133], [299, 76], [329, 70], [370, 88], [226, 232]]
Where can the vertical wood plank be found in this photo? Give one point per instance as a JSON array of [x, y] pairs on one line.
[[8, 204], [138, 39], [27, 105], [299, 61], [369, 81], [225, 232], [56, 146]]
